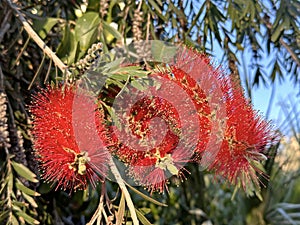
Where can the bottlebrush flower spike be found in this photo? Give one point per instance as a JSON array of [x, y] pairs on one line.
[[66, 130], [151, 163], [244, 144], [241, 139], [186, 118]]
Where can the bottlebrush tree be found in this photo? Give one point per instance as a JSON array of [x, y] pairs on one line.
[[102, 123]]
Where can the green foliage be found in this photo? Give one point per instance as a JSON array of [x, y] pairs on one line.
[[18, 203]]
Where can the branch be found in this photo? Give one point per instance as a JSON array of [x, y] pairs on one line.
[[293, 55], [38, 40], [98, 213], [283, 43], [4, 25], [122, 185]]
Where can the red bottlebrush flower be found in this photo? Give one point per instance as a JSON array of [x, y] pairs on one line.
[[152, 153], [66, 130], [238, 134], [244, 142], [152, 159]]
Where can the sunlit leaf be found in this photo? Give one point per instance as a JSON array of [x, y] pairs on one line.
[[25, 189], [86, 31], [111, 30], [142, 218], [68, 46], [24, 172], [43, 25], [146, 197], [27, 218], [30, 199]]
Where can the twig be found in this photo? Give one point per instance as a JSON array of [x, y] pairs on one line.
[[48, 72], [21, 52], [1, 79], [140, 5], [5, 25], [98, 213], [283, 43], [38, 40], [123, 188], [293, 55], [148, 26], [37, 73], [3, 30]]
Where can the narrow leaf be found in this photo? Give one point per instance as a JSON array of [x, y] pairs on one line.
[[111, 30], [3, 215], [23, 171], [30, 200], [43, 25], [161, 52], [146, 197], [14, 220], [25, 189], [142, 218], [121, 210], [27, 218], [86, 30]]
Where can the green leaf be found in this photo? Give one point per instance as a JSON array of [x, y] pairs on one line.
[[277, 32], [119, 76], [134, 71], [3, 184], [145, 210], [30, 200], [27, 218], [16, 205], [23, 171], [137, 84], [111, 30], [258, 165], [43, 25], [258, 75], [276, 71], [25, 189], [162, 52], [3, 215], [113, 66], [239, 46], [14, 220], [3, 202], [86, 31], [258, 195], [157, 10], [114, 117], [142, 218], [146, 197], [67, 47]]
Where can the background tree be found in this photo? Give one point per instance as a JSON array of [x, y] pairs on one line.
[[256, 30]]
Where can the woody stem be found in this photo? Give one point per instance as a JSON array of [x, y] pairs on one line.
[[38, 40], [124, 190]]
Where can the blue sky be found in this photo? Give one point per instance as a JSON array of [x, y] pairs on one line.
[[285, 99], [286, 94]]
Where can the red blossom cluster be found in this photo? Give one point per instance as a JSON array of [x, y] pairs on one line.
[[66, 127], [197, 114]]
